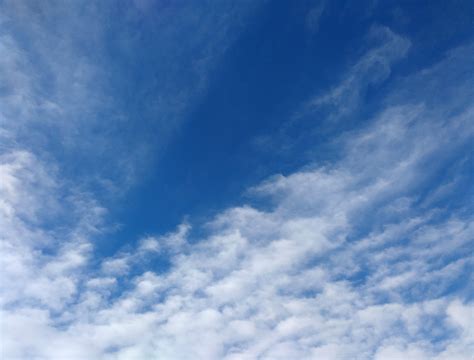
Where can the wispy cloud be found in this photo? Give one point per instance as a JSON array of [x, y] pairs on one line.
[[346, 263], [336, 108], [66, 87], [359, 258], [313, 17], [371, 69]]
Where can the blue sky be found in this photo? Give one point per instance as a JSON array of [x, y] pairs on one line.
[[236, 179]]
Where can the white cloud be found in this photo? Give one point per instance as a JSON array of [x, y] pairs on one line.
[[149, 244], [60, 76], [313, 17], [285, 290], [345, 264], [372, 68]]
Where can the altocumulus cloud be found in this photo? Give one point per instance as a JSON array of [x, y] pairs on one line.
[[356, 259]]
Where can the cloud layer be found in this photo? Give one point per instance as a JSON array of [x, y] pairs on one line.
[[361, 258]]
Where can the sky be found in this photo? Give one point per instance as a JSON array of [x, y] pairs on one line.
[[236, 179]]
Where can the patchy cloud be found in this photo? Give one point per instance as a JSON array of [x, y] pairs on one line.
[[345, 261]]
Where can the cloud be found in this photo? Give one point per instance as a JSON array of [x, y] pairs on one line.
[[328, 111], [372, 68], [342, 263], [69, 81], [313, 18]]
